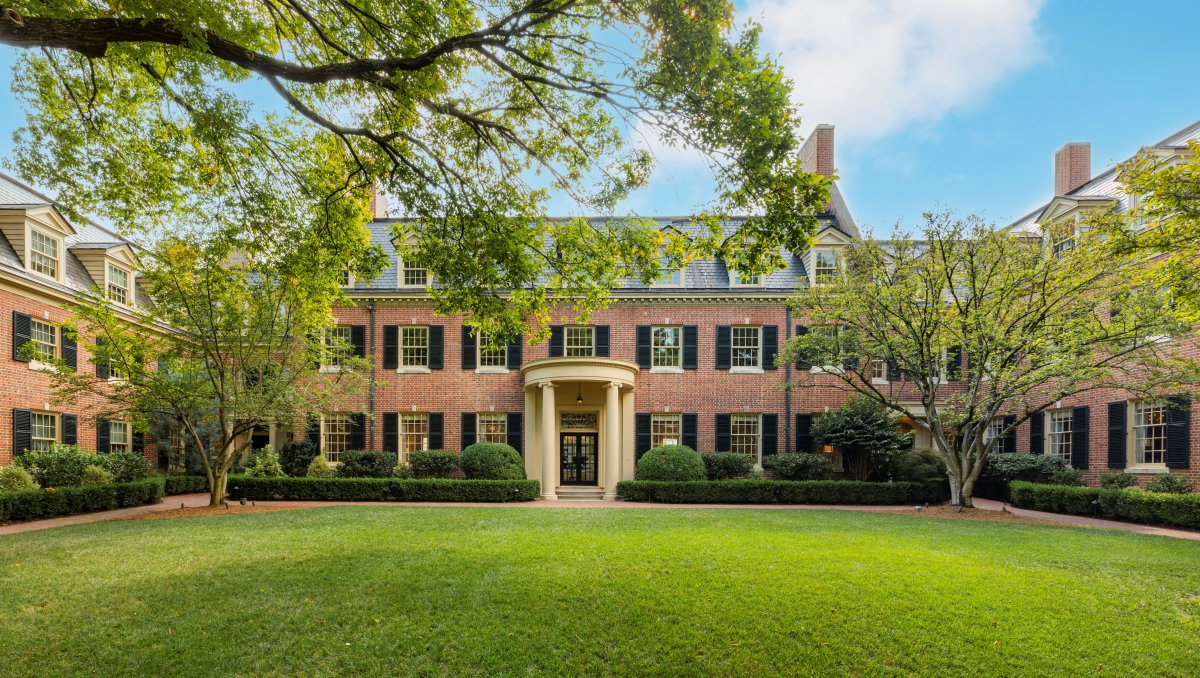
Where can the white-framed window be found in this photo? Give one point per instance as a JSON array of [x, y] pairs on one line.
[[44, 431], [414, 346], [337, 346], [879, 371], [412, 275], [739, 279], [497, 358], [825, 265], [993, 433], [666, 347], [118, 284], [745, 347], [44, 254], [831, 357], [119, 438], [492, 427], [666, 429], [668, 276], [1149, 434], [335, 436], [580, 342], [1058, 434], [44, 336], [414, 433], [744, 435], [347, 278]]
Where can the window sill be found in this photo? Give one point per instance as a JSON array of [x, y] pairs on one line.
[[491, 370], [746, 370], [666, 370], [413, 370], [1148, 470], [828, 369], [329, 369], [39, 366], [879, 382]]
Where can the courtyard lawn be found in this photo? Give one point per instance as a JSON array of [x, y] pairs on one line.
[[437, 591]]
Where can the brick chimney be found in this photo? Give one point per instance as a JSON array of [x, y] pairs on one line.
[[816, 155], [1072, 167], [378, 204]]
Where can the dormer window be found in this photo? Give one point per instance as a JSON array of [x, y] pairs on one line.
[[412, 275], [825, 265], [117, 284], [739, 279], [43, 254], [667, 276]]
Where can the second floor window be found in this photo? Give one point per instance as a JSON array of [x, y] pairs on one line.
[[878, 370], [44, 337], [43, 254], [666, 347], [1059, 434], [1149, 434], [746, 346], [580, 342], [491, 358], [118, 284], [337, 346], [492, 427], [665, 429], [414, 347], [43, 431], [831, 354]]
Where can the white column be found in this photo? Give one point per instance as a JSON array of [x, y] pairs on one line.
[[549, 448], [612, 440]]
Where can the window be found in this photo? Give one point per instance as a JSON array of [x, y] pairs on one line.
[[337, 346], [414, 433], [43, 254], [991, 436], [878, 370], [493, 427], [347, 278], [743, 435], [831, 354], [1058, 434], [118, 284], [43, 431], [1149, 434], [118, 436], [335, 436], [666, 347], [414, 347], [413, 276], [666, 429], [746, 347], [44, 337], [668, 276], [825, 265], [493, 358], [739, 279], [581, 342]]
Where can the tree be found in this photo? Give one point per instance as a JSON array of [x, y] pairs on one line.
[[970, 323], [866, 433], [158, 114]]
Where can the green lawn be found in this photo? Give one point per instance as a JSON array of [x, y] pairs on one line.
[[412, 591]]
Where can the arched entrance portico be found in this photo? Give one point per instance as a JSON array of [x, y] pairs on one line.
[[579, 424]]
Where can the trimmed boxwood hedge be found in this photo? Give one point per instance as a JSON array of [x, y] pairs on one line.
[[382, 489], [782, 492], [63, 501], [1180, 510], [186, 484]]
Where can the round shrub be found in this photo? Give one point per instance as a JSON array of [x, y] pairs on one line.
[[94, 475], [264, 463], [675, 463], [363, 464], [726, 465], [803, 466], [1118, 480], [296, 455], [1170, 483], [492, 461], [125, 467], [13, 478], [433, 463], [319, 468], [917, 464]]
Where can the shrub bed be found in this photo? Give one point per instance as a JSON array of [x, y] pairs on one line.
[[1180, 510], [382, 489], [63, 501], [185, 484], [782, 492]]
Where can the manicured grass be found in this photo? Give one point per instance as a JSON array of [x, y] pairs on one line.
[[435, 591]]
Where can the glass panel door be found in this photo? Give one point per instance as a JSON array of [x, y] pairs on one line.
[[579, 452]]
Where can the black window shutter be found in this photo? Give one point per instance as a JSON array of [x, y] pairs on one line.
[[770, 335], [437, 345], [469, 345], [642, 347], [1036, 432], [70, 352], [722, 423], [139, 442], [804, 439], [103, 436], [22, 328], [70, 429], [893, 371], [724, 348], [690, 422], [1080, 444], [358, 431], [468, 430], [314, 432], [101, 365], [770, 434], [953, 363], [641, 435], [436, 427], [602, 336], [22, 432], [391, 347], [801, 363], [690, 347], [1009, 444], [1179, 418], [515, 349], [1117, 435], [391, 432], [514, 433], [556, 341], [358, 338]]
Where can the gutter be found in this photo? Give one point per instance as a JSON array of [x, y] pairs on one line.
[[787, 385], [371, 390]]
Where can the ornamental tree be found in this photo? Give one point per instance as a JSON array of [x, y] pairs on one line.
[[866, 433], [155, 114], [970, 322]]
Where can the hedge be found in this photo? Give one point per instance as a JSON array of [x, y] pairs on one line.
[[782, 492], [186, 484], [63, 501], [1180, 510], [382, 489]]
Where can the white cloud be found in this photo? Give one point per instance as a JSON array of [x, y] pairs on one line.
[[872, 67]]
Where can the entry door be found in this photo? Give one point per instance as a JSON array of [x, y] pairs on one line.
[[579, 452]]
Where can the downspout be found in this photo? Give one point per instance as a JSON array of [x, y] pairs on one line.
[[787, 378], [371, 390]]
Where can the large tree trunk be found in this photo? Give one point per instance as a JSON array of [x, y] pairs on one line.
[[217, 485], [858, 462]]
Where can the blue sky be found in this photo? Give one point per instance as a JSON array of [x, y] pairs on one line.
[[950, 103]]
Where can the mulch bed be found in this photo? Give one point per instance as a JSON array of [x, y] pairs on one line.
[[953, 513], [199, 511]]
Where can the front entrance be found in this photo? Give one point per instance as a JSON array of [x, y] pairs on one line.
[[579, 458]]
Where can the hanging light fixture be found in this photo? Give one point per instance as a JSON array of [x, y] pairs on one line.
[[579, 398]]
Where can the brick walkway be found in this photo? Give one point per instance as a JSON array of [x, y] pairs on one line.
[[1084, 521]]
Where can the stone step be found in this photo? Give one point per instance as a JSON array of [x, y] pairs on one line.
[[569, 493]]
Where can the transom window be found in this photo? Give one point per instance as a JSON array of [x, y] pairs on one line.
[[412, 275], [118, 284], [1059, 434], [991, 436], [666, 347], [666, 274], [738, 278], [587, 421], [666, 429], [44, 337], [744, 435], [746, 346], [43, 431], [118, 436], [414, 346], [335, 436], [580, 342], [1150, 433], [414, 433], [491, 358], [492, 427], [337, 345], [43, 254], [825, 265]]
